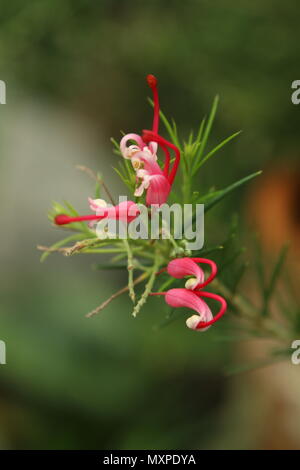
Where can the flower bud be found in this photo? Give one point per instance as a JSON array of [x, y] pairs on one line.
[[191, 283], [192, 322]]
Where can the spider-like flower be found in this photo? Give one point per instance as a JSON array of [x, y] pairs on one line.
[[143, 155], [125, 211], [191, 296]]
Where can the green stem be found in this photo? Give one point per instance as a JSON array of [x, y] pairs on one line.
[[187, 186], [148, 286], [130, 268]]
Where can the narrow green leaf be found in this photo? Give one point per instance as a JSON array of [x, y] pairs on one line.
[[223, 338], [124, 177], [274, 277], [277, 268], [61, 243], [259, 266], [116, 145], [225, 192], [167, 284], [282, 352], [239, 276], [208, 251], [72, 209], [207, 130], [109, 266], [214, 150], [242, 368], [73, 212], [201, 129], [175, 133], [231, 259]]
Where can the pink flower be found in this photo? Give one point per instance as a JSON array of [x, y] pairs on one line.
[[125, 211], [192, 299], [154, 181], [192, 296], [182, 267], [129, 152], [143, 155], [186, 298], [203, 318], [97, 204]]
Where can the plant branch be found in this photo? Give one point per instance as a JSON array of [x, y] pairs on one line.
[[104, 304], [148, 286], [96, 178], [130, 268]]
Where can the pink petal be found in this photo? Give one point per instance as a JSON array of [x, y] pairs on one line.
[[126, 211], [96, 204], [153, 147], [182, 267], [186, 298], [158, 191], [137, 138], [150, 164], [140, 189]]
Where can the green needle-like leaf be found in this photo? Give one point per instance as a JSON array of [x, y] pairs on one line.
[[269, 290], [225, 192], [206, 132], [242, 368], [61, 243], [214, 150]]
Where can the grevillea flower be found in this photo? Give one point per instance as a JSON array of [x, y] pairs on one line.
[[192, 296], [192, 299], [182, 267], [154, 181], [143, 155], [125, 211], [131, 152]]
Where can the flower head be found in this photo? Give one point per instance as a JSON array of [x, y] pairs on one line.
[[181, 267], [186, 298], [125, 211], [143, 155], [153, 180]]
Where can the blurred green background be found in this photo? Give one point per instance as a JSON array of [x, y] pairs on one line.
[[74, 72]]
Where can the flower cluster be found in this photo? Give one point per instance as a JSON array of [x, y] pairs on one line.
[[121, 212], [191, 296], [156, 180], [143, 155], [148, 167]]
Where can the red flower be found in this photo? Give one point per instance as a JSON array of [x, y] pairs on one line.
[[126, 211], [143, 155]]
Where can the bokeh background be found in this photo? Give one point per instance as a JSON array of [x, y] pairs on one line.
[[74, 72]]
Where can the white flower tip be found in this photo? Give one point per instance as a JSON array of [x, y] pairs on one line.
[[98, 202], [130, 151], [191, 283], [193, 321]]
